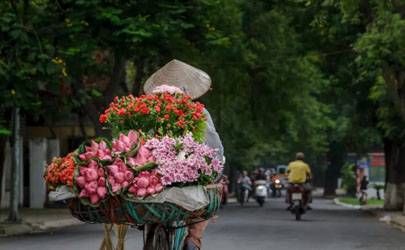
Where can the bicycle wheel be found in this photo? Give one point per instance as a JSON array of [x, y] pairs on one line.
[[156, 238]]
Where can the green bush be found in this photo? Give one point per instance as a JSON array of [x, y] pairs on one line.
[[349, 179]]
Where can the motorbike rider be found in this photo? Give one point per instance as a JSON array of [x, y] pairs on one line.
[[260, 175], [299, 172], [244, 182]]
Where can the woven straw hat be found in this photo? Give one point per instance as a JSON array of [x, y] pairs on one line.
[[191, 80]]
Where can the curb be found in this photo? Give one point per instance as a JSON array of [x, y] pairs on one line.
[[338, 202], [395, 220], [359, 207], [39, 227]]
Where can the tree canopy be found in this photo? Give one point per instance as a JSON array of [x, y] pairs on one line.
[[321, 76]]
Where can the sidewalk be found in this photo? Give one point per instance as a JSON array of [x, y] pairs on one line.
[[396, 219], [37, 220]]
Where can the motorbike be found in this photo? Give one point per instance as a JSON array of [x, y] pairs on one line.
[[298, 200], [244, 194], [276, 187], [260, 191]]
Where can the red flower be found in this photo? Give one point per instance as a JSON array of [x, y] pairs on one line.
[[145, 110], [103, 118], [180, 123], [157, 108], [166, 116], [121, 112]]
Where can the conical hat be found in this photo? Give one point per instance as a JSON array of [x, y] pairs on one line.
[[191, 80]]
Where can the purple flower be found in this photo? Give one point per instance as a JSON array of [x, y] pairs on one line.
[[182, 160]]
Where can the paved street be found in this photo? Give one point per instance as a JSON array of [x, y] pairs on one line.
[[327, 227]]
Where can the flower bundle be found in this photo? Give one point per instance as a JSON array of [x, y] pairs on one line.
[[60, 172], [146, 183], [119, 176], [157, 143], [184, 161], [157, 114], [91, 183]]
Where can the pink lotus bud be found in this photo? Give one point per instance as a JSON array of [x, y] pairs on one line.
[[82, 171], [102, 155], [120, 146], [115, 188], [83, 194], [106, 156], [143, 156], [94, 199], [142, 182], [141, 192], [111, 180], [94, 146], [82, 157], [93, 164], [144, 174], [132, 189], [101, 191], [125, 184], [119, 177], [101, 181], [125, 140], [133, 136], [100, 172], [158, 188], [80, 181], [91, 175], [102, 145], [153, 179], [113, 169], [91, 187], [129, 175], [150, 190]]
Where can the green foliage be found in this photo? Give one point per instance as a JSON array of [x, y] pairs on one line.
[[295, 75], [349, 178]]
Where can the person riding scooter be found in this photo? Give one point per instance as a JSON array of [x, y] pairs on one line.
[[299, 172], [245, 187]]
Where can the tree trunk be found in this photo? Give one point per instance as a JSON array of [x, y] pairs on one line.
[[395, 174], [336, 158], [14, 215], [3, 141]]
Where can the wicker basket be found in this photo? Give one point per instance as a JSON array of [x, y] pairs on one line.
[[116, 210]]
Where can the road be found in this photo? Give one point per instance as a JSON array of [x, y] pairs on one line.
[[327, 227]]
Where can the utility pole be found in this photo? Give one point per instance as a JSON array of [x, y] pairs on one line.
[[14, 215]]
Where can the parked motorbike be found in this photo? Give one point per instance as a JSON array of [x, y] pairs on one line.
[[298, 200], [260, 191], [276, 187]]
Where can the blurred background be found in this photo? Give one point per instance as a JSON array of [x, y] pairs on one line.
[[325, 77]]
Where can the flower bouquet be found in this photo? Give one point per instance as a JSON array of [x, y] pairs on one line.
[[155, 161]]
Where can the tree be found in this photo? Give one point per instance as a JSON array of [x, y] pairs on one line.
[[26, 69]]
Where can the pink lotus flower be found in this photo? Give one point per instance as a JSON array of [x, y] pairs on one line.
[[94, 198], [91, 183], [146, 183], [81, 181], [101, 191], [119, 176], [143, 156], [96, 151], [125, 143], [91, 174]]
